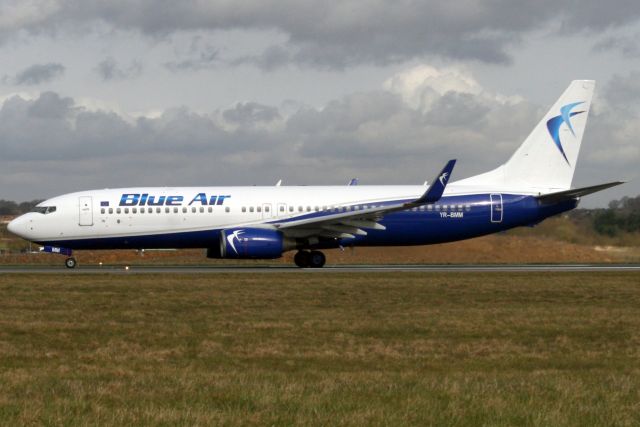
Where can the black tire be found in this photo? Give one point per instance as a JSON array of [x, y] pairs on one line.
[[317, 259], [302, 259], [70, 263]]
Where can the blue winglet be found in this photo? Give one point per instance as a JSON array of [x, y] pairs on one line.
[[436, 189]]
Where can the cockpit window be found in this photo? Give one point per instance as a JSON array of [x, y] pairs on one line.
[[44, 209]]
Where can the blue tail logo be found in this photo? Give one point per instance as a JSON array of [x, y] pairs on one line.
[[554, 123]]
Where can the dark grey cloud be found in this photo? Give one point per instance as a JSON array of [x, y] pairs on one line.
[[199, 56], [250, 112], [457, 109], [38, 73], [272, 58], [623, 91], [627, 46], [109, 70], [339, 34]]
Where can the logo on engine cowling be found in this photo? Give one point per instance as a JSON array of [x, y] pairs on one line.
[[231, 238]]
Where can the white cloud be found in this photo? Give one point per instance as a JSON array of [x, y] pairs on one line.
[[422, 85]]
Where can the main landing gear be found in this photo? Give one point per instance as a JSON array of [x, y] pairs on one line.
[[70, 262], [313, 259]]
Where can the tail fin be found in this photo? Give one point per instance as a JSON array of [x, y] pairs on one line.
[[547, 159]]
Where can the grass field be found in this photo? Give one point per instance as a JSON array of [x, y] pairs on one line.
[[321, 349]]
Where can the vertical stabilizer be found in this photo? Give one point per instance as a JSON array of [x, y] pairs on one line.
[[547, 159]]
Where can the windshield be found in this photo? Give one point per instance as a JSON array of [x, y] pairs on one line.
[[44, 209]]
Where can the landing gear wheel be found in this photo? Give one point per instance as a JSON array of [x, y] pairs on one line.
[[70, 263], [302, 259], [316, 259]]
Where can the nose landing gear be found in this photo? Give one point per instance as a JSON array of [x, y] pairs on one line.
[[313, 259], [70, 262]]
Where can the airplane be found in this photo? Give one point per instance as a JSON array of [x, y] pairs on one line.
[[265, 222]]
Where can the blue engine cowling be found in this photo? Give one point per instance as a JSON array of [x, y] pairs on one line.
[[245, 243]]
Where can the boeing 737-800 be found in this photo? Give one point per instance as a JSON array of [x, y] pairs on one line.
[[265, 222]]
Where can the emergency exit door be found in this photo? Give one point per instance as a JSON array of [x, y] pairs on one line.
[[496, 207]]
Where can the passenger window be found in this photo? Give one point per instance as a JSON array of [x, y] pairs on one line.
[[201, 209], [467, 208], [167, 210], [266, 209], [141, 210], [300, 209], [175, 210], [438, 207], [134, 210], [110, 211], [126, 210], [210, 209], [184, 210], [259, 209], [158, 210], [281, 208], [227, 209], [251, 209], [193, 209], [459, 207], [102, 211], [244, 209], [290, 208], [308, 208]]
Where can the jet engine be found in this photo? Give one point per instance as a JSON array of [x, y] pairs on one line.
[[251, 243]]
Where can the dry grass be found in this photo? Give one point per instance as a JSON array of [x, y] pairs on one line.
[[330, 349]]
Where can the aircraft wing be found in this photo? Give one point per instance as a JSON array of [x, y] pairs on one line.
[[349, 222]]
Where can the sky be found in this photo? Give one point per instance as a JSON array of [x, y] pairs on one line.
[[105, 94]]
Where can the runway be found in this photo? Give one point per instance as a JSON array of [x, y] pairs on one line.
[[428, 268]]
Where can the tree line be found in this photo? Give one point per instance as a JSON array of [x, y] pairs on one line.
[[622, 216], [8, 207]]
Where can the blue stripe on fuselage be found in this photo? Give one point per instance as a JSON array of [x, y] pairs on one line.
[[411, 227]]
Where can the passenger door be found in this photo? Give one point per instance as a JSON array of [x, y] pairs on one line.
[[85, 204]]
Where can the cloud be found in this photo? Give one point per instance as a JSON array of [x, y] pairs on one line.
[[199, 56], [336, 34], [38, 73], [270, 59], [109, 70], [52, 144]]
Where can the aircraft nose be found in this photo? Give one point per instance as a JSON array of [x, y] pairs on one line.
[[17, 226]]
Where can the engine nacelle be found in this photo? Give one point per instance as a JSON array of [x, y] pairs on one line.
[[250, 243]]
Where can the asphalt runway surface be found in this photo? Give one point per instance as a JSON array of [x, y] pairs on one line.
[[428, 268]]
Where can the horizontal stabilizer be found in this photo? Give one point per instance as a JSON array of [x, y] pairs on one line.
[[576, 192]]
